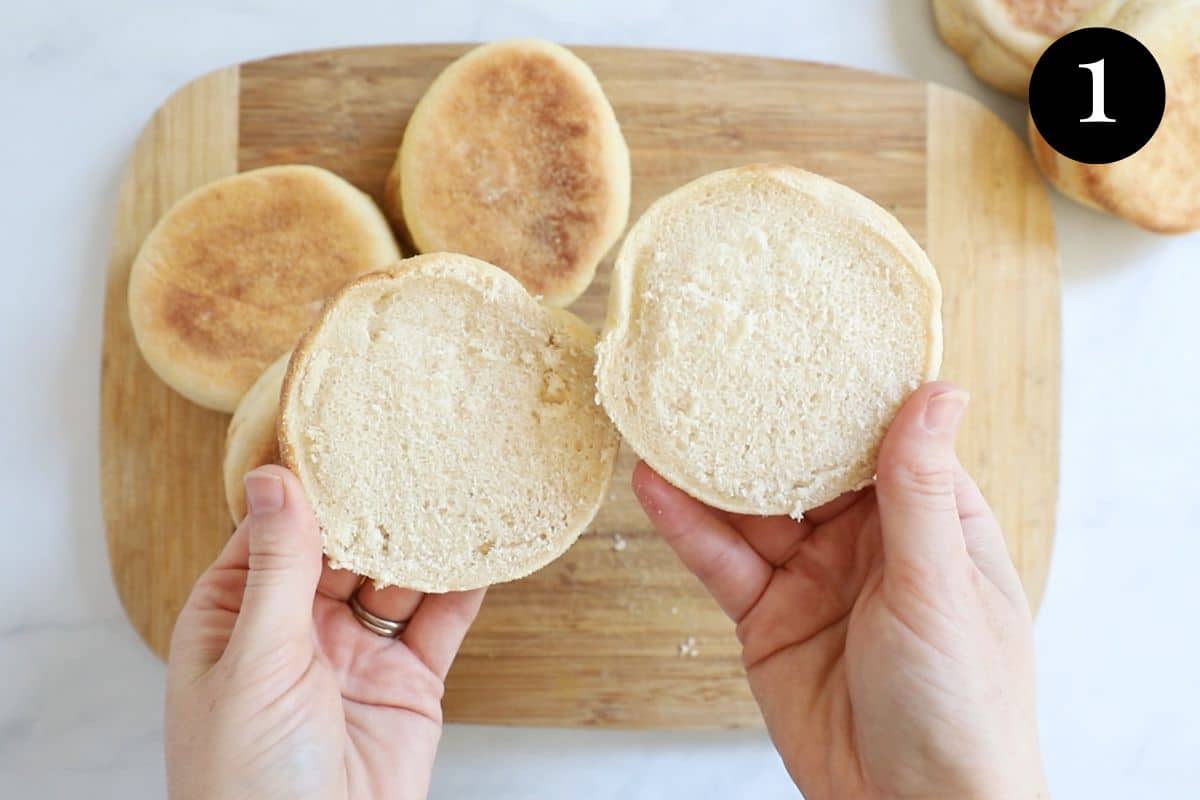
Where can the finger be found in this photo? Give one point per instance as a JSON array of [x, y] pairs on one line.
[[715, 553], [983, 537], [220, 588], [775, 539], [915, 482], [223, 583], [391, 603], [284, 562], [822, 514], [438, 627], [337, 584], [236, 552]]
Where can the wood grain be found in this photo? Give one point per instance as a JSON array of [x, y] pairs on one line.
[[594, 638], [160, 455], [994, 250]]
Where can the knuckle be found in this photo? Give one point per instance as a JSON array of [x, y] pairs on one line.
[[264, 562], [715, 566], [247, 668], [927, 480], [751, 631], [273, 545], [433, 688], [910, 578]]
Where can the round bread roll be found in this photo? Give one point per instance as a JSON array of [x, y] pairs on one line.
[[1001, 40], [236, 270], [251, 440], [444, 425], [514, 156], [1158, 187], [764, 327]]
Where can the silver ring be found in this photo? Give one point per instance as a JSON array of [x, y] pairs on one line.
[[389, 628]]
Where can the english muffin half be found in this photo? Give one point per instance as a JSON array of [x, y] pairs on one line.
[[444, 425], [1158, 187], [251, 440], [236, 270], [1001, 40], [764, 327], [514, 156]]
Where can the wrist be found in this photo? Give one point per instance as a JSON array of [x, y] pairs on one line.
[[1016, 787], [1031, 787]]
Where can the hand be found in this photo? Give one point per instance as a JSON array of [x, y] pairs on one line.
[[886, 637], [274, 690]]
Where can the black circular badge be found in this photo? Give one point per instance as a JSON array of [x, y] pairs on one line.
[[1097, 95]]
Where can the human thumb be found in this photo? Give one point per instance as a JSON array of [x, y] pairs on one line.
[[915, 481], [284, 562]]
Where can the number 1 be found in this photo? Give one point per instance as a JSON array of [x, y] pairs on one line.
[[1097, 70]]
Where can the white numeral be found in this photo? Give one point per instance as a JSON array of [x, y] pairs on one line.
[[1097, 70]]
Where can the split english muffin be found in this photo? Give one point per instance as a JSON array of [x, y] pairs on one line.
[[443, 423], [237, 269], [514, 156], [764, 327]]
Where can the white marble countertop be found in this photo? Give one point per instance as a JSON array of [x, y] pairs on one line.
[[80, 697]]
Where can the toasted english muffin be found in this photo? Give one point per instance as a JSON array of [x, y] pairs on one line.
[[237, 269], [764, 327], [1001, 40], [514, 156], [251, 439], [1158, 187], [444, 425]]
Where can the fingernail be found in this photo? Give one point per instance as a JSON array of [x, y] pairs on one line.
[[943, 411], [264, 492]]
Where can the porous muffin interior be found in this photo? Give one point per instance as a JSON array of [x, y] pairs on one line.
[[444, 425], [768, 336]]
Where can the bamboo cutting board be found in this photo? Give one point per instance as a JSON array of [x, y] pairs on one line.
[[595, 638]]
